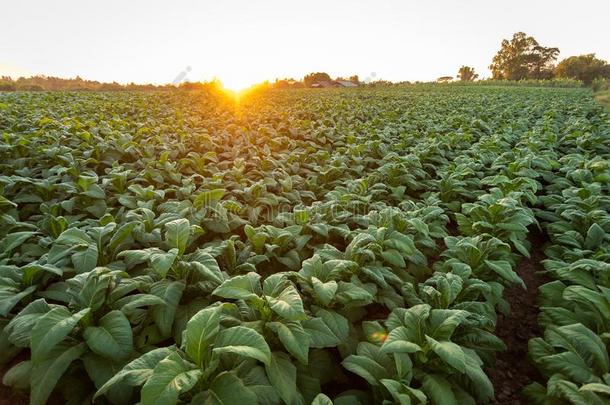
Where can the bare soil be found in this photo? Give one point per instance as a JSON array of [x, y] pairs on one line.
[[9, 396], [513, 369]]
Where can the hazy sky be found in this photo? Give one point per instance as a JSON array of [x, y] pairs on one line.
[[242, 41]]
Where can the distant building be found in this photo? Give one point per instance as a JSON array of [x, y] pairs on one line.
[[333, 83], [346, 83], [323, 84]]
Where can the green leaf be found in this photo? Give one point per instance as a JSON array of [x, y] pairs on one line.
[[449, 352], [394, 257], [177, 234], [366, 368], [504, 270], [398, 341], [51, 329], [597, 388], [85, 260], [137, 371], [9, 297], [402, 393], [46, 373], [228, 389], [328, 329], [19, 329], [324, 292], [438, 389], [283, 376], [294, 338], [288, 304], [200, 332], [13, 240], [74, 236], [206, 265], [170, 378], [18, 376], [209, 197], [100, 370], [244, 342], [113, 337], [595, 237], [161, 262], [171, 293], [321, 399], [131, 302], [257, 239], [32, 269], [239, 287], [120, 236]]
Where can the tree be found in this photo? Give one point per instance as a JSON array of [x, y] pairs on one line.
[[584, 67], [444, 79], [467, 74], [523, 58], [317, 77]]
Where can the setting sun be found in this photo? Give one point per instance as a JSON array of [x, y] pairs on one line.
[[236, 83]]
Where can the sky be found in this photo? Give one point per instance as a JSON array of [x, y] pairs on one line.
[[243, 42]]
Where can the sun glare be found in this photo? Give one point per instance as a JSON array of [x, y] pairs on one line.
[[236, 84]]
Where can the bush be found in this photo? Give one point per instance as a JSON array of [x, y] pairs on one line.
[[600, 84]]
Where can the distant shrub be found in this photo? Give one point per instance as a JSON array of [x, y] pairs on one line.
[[600, 84], [7, 87]]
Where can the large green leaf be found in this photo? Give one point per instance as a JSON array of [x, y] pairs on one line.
[[450, 352], [19, 329], [327, 329], [239, 287], [171, 293], [283, 375], [177, 234], [294, 338], [438, 389], [243, 341], [504, 270], [112, 337], [9, 297], [200, 332], [46, 373], [161, 262], [170, 378], [228, 389], [51, 329], [85, 260], [324, 292], [366, 368], [137, 371], [13, 240], [288, 304]]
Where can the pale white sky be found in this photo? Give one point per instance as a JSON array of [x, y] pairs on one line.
[[243, 42]]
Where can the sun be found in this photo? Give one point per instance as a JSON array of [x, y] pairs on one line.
[[236, 84]]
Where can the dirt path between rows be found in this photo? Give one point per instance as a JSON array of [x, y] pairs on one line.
[[513, 369]]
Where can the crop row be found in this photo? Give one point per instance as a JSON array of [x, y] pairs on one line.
[[296, 247]]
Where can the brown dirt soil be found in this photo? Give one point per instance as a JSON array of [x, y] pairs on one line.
[[9, 396], [513, 369]]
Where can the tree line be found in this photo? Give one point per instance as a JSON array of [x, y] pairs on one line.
[[523, 58], [520, 58]]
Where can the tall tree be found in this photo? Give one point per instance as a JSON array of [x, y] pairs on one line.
[[523, 57], [583, 67], [467, 74]]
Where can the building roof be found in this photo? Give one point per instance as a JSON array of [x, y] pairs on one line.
[[346, 83]]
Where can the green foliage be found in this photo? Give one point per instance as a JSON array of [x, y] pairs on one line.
[[345, 247]]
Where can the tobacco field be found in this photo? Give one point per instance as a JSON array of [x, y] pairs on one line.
[[303, 246]]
